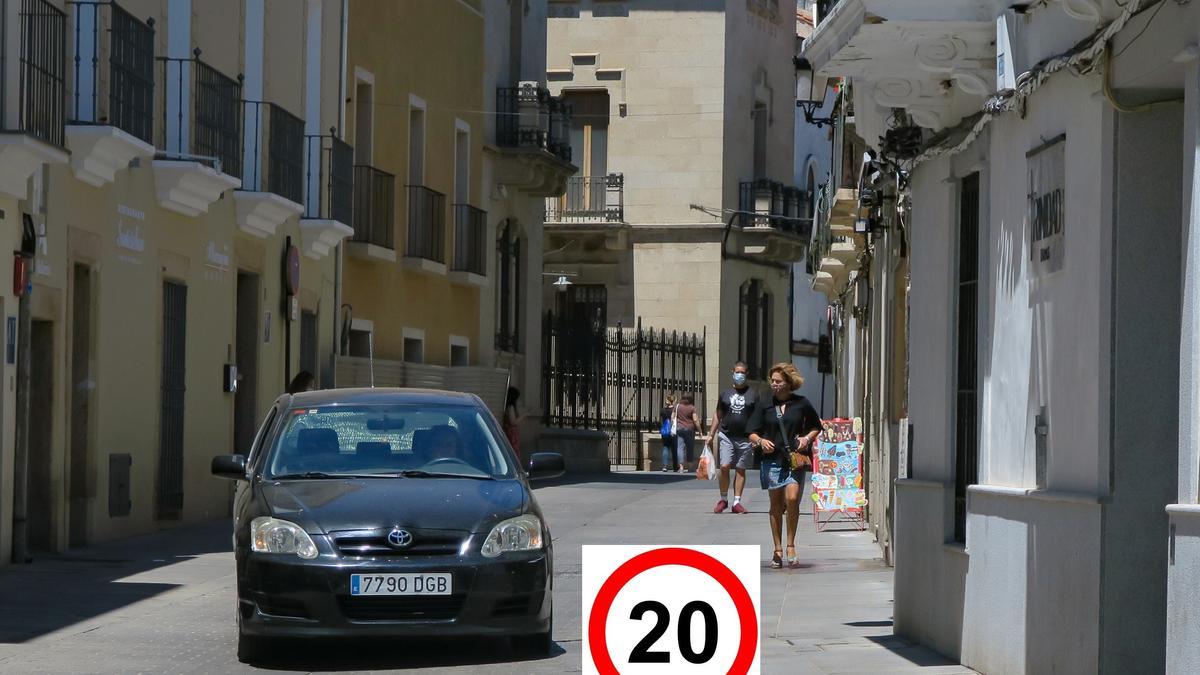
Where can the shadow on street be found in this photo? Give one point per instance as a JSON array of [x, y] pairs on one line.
[[56, 591]]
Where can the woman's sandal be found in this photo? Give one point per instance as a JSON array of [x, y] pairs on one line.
[[793, 561], [777, 559]]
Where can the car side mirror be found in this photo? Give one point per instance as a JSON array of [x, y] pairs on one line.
[[543, 465], [232, 467]]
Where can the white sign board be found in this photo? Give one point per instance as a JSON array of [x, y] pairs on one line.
[[1047, 206]]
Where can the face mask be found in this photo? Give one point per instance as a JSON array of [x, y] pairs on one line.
[[739, 379]]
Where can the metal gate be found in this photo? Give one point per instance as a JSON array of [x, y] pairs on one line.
[[616, 379], [170, 434]]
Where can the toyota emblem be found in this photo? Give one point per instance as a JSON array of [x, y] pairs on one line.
[[399, 538]]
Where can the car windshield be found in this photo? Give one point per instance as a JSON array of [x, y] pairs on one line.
[[418, 441]]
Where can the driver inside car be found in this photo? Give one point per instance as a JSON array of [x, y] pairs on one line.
[[444, 443]]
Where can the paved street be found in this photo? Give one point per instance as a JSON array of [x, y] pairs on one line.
[[164, 602]]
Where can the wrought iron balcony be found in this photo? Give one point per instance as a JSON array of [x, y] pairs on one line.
[[374, 207], [329, 178], [470, 239], [202, 111], [43, 72], [598, 199], [113, 78], [426, 224], [529, 117], [275, 143], [770, 204]]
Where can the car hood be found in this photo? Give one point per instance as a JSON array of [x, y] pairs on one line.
[[327, 505]]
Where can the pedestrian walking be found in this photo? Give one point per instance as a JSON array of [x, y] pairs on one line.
[[730, 419], [784, 426], [687, 424], [303, 381], [667, 419], [511, 419]]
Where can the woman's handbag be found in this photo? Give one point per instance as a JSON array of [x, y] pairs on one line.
[[795, 458], [669, 426]]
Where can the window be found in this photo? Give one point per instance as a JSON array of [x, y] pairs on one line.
[[414, 345], [754, 328], [509, 289], [460, 351], [462, 163], [364, 110], [966, 427], [308, 343], [760, 118], [416, 141]]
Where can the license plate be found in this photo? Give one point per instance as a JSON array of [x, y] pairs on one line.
[[435, 583]]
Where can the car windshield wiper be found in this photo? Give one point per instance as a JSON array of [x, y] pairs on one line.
[[421, 473], [317, 475]]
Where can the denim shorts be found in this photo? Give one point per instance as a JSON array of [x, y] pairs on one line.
[[773, 476]]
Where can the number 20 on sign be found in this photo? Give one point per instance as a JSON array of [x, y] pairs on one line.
[[671, 609]]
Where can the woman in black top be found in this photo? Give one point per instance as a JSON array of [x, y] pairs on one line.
[[785, 427]]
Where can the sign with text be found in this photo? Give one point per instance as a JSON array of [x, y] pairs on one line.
[[655, 609], [1047, 206]]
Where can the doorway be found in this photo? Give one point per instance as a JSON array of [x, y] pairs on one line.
[[246, 357], [40, 517], [81, 393]]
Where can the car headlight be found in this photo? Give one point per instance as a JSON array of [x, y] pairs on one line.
[[271, 535], [523, 533]]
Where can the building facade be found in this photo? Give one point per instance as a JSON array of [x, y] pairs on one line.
[[678, 216], [1045, 520], [182, 270]]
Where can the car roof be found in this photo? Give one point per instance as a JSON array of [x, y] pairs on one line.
[[380, 395]]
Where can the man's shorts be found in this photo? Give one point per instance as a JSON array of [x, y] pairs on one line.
[[738, 454]]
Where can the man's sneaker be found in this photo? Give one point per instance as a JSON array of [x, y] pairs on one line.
[[721, 506], [738, 508]]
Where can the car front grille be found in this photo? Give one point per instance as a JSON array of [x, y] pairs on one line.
[[375, 544], [412, 608]]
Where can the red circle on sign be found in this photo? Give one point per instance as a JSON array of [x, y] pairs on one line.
[[293, 270], [598, 620]]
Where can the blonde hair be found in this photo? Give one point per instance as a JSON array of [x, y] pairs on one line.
[[671, 398], [789, 373]]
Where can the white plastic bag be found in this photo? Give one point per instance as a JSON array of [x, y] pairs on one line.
[[706, 469]]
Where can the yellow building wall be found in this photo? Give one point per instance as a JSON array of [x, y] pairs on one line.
[[431, 49]]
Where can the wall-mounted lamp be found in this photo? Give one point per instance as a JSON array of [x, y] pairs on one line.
[[561, 282], [810, 91]]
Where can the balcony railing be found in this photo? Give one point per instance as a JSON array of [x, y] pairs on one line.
[[329, 178], [426, 224], [589, 199], [203, 113], [275, 148], [470, 239], [374, 206], [125, 65], [529, 117], [43, 72], [822, 240], [767, 203]]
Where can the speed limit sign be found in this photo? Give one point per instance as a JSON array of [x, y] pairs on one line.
[[659, 609]]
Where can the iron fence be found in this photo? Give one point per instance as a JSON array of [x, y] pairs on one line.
[[598, 199], [529, 117], [329, 178], [374, 206], [43, 72], [275, 140], [616, 379], [426, 224], [128, 71], [470, 239], [768, 203], [202, 111]]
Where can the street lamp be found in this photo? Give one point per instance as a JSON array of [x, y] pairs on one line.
[[810, 91]]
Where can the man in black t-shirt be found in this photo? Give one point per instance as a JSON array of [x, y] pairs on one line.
[[733, 411]]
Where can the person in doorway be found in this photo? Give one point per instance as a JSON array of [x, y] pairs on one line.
[[687, 424], [511, 420], [667, 420], [734, 450], [785, 427], [303, 381]]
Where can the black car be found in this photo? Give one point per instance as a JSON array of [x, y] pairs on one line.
[[388, 512]]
